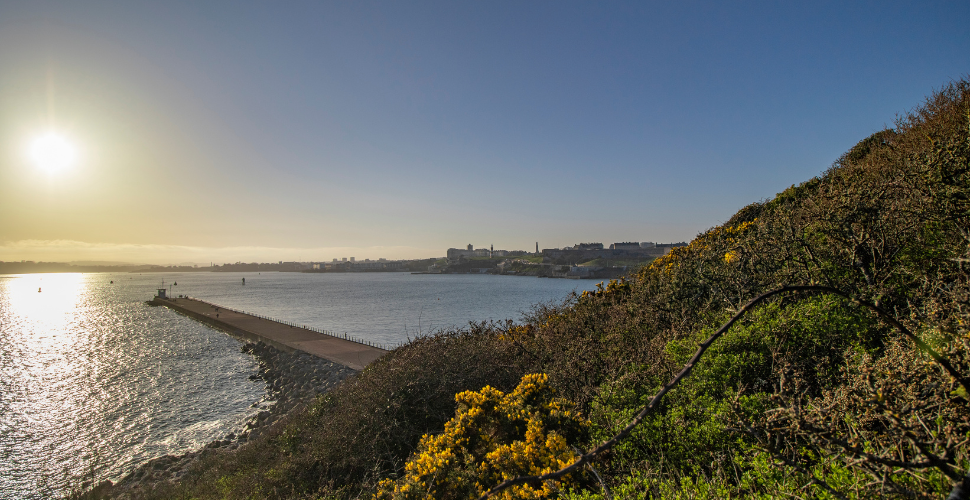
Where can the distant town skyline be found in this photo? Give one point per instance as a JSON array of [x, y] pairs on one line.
[[160, 254], [176, 132]]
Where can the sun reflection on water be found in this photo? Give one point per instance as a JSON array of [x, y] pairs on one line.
[[46, 303], [42, 311], [93, 382]]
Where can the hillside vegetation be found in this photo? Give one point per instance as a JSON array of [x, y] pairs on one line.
[[807, 395]]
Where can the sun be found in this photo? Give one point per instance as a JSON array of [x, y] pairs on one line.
[[52, 152]]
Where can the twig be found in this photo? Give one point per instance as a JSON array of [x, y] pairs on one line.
[[688, 368]]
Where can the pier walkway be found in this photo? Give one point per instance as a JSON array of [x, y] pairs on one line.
[[350, 353]]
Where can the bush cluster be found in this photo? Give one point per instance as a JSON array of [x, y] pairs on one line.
[[494, 437], [808, 395]]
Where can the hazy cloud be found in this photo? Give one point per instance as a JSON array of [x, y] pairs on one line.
[[70, 250]]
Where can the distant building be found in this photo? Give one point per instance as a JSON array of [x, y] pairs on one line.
[[361, 266], [455, 253], [626, 245], [621, 250]]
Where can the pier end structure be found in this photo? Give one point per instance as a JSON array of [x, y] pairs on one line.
[[288, 338]]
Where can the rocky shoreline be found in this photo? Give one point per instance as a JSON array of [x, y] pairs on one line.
[[291, 379]]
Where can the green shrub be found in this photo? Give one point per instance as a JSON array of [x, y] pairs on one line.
[[807, 381], [493, 437]]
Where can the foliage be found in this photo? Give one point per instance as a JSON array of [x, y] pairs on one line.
[[494, 437], [808, 395], [889, 222]]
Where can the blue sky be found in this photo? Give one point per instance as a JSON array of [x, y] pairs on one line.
[[274, 131]]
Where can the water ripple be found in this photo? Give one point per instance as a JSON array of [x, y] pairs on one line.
[[93, 382]]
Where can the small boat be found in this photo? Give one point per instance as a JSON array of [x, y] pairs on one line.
[[38, 289]]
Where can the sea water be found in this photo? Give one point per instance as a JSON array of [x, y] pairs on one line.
[[94, 382]]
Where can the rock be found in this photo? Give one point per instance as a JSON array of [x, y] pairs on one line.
[[291, 380]]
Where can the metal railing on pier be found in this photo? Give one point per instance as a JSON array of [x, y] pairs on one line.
[[351, 338]]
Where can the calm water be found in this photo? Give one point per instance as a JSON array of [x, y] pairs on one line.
[[94, 383]]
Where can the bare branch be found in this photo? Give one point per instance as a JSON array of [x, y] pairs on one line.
[[689, 367]]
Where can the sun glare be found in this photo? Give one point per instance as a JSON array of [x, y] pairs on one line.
[[52, 152]]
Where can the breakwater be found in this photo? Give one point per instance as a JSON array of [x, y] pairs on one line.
[[285, 336]]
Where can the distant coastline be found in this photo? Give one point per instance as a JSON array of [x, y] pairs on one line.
[[31, 267], [584, 260]]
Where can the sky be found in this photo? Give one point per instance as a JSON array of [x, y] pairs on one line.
[[265, 131]]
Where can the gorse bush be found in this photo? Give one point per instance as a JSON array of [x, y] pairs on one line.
[[807, 395], [493, 437]]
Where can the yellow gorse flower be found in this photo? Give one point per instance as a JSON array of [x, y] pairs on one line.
[[702, 245], [613, 288], [494, 436]]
